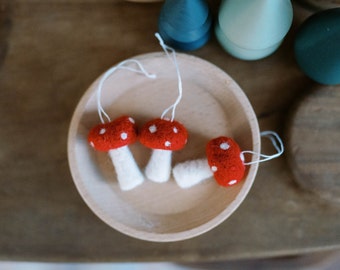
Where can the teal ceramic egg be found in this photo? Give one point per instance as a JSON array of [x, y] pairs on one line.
[[317, 47]]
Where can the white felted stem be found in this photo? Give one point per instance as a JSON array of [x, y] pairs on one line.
[[158, 168], [192, 172], [128, 173]]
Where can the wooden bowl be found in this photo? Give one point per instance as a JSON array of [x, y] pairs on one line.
[[213, 105]]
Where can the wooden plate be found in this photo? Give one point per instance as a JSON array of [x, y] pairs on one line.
[[212, 105], [313, 142]]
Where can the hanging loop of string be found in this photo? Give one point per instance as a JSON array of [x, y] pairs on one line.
[[277, 143], [108, 73], [168, 49]]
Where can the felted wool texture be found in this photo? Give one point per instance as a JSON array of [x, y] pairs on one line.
[[224, 159], [128, 173], [114, 134], [191, 172], [158, 168], [163, 134]]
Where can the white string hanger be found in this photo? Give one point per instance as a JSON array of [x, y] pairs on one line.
[[168, 49], [277, 143], [108, 73]]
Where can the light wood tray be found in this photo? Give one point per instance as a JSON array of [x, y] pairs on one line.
[[212, 105]]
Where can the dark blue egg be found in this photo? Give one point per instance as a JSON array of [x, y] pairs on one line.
[[317, 47]]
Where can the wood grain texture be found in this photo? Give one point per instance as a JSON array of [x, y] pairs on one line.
[[314, 150], [55, 50]]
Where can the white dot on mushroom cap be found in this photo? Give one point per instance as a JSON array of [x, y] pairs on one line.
[[224, 146], [175, 130], [102, 131], [232, 182], [153, 128], [91, 143], [131, 120], [167, 143], [214, 168], [123, 135], [242, 157]]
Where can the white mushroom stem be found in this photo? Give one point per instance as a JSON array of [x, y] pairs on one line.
[[158, 168], [192, 172], [128, 173]]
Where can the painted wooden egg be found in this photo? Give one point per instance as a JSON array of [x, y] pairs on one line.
[[317, 47], [185, 24], [253, 29]]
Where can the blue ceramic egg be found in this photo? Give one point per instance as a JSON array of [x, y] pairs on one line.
[[317, 47]]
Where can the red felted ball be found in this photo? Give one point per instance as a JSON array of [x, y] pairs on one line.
[[163, 134], [224, 159], [115, 134]]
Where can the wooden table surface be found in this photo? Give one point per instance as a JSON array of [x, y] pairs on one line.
[[50, 52]]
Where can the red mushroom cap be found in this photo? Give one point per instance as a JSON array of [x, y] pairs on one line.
[[163, 134], [115, 134], [224, 159]]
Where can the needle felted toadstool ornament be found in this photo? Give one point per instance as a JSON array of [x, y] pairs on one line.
[[224, 160], [164, 135], [115, 136]]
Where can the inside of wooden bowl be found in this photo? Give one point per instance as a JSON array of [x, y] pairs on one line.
[[212, 105]]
